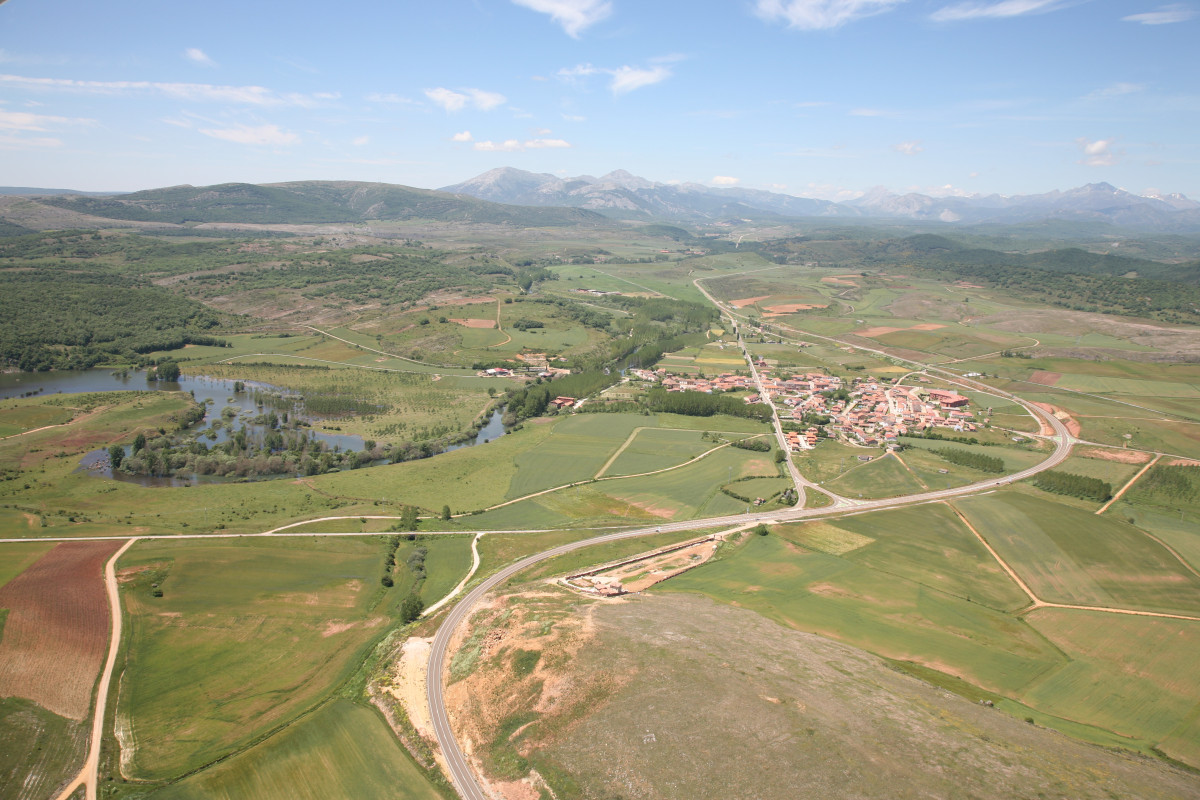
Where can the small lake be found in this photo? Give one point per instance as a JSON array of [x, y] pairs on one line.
[[215, 393], [492, 429]]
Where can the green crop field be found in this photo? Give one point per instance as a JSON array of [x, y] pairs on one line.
[[15, 557], [1115, 473], [248, 634], [929, 545], [659, 448], [575, 451], [1134, 676], [1070, 555], [878, 611], [39, 750], [341, 750], [883, 476]]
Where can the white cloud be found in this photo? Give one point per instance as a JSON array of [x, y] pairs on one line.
[[26, 121], [485, 101], [1116, 90], [815, 15], [1004, 8], [1098, 153], [246, 95], [625, 78], [451, 100], [464, 136], [579, 71], [514, 145], [725, 180], [389, 97], [574, 118], [542, 131], [1164, 15], [21, 142], [260, 135], [572, 15], [359, 141], [198, 56], [909, 148], [509, 146]]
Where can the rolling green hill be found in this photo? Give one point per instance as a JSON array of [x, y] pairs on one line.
[[313, 202]]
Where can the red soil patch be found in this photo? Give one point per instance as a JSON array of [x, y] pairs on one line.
[[57, 628], [839, 280], [1183, 462], [1123, 456], [476, 323], [1045, 378], [1071, 423], [747, 301], [792, 308], [880, 330]]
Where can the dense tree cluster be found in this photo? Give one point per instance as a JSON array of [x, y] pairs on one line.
[[1069, 483], [277, 451], [966, 458], [533, 399], [757, 445], [702, 404], [1178, 483], [50, 320]]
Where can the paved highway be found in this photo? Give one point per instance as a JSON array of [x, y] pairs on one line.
[[460, 771]]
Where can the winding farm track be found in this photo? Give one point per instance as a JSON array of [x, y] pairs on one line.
[[87, 776]]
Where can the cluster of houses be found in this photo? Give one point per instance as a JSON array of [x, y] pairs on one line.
[[865, 412], [868, 412]]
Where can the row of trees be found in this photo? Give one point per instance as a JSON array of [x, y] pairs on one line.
[[966, 458], [1069, 483], [702, 404]]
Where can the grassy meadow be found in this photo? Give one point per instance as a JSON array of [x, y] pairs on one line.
[[339, 750], [915, 586], [249, 634]]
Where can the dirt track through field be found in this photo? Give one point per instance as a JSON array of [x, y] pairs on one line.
[[1036, 602], [1131, 482], [88, 777]]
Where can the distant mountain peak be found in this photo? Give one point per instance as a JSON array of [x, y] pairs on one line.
[[624, 195]]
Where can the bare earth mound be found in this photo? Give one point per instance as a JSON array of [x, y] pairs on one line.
[[475, 323], [56, 632], [675, 696]]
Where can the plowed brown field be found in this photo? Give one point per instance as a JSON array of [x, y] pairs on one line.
[[57, 628]]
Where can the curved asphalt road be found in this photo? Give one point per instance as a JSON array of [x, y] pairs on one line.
[[460, 771]]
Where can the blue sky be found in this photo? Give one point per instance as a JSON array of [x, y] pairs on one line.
[[823, 98]]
